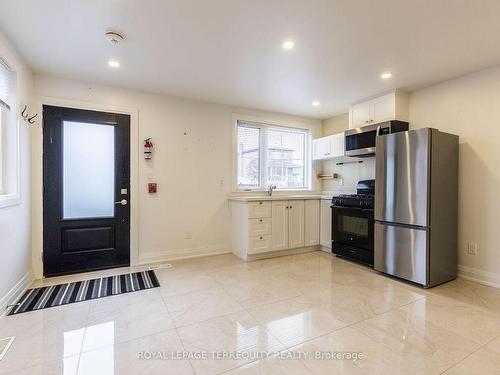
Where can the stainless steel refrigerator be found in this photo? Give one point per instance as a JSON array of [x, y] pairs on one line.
[[416, 206]]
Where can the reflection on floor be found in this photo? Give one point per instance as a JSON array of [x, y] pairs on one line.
[[302, 314]]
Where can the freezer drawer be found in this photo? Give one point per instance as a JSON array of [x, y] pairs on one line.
[[402, 170], [402, 252]]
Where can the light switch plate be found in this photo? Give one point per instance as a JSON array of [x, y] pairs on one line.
[[123, 191]]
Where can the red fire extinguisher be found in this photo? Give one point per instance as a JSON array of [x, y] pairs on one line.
[[148, 148]]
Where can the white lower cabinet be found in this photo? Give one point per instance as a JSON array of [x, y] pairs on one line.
[[280, 220], [288, 224], [326, 223], [259, 227], [284, 224], [312, 223], [296, 225], [259, 244]]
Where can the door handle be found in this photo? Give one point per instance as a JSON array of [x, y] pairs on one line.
[[123, 202]]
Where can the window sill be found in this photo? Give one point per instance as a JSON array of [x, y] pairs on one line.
[[8, 200]]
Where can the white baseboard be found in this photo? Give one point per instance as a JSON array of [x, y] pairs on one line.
[[280, 253], [195, 252], [16, 292], [326, 249], [479, 276]]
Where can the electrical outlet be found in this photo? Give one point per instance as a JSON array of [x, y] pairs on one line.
[[472, 248]]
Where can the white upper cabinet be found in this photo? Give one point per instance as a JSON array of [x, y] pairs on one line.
[[328, 147], [393, 106], [321, 148], [359, 115]]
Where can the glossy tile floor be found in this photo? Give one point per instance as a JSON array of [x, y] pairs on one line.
[[216, 314]]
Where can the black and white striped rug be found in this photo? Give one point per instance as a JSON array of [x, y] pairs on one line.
[[63, 294]]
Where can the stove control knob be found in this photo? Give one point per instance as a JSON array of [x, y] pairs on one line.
[[337, 201], [362, 203], [342, 201]]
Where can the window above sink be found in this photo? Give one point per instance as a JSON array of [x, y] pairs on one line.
[[271, 155]]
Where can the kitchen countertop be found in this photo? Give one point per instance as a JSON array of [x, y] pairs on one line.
[[278, 197]]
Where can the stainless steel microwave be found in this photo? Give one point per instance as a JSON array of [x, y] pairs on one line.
[[360, 142]]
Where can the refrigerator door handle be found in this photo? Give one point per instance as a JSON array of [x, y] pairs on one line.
[[409, 226]]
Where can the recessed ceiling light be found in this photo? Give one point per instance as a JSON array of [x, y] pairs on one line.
[[386, 75], [288, 45], [113, 63], [315, 103]]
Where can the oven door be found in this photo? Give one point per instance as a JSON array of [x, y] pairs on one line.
[[352, 227]]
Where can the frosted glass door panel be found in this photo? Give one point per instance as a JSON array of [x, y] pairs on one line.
[[88, 170]]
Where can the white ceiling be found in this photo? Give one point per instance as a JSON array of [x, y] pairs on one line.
[[229, 51]]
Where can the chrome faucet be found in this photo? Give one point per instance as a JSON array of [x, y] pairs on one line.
[[270, 189]]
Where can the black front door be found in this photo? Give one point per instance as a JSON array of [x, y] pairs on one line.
[[86, 190]]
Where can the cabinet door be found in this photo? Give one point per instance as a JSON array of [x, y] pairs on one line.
[[359, 115], [326, 224], [337, 145], [383, 109], [321, 148], [296, 224], [279, 240], [311, 222]]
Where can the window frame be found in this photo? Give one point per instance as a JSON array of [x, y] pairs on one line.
[[10, 191], [269, 125]]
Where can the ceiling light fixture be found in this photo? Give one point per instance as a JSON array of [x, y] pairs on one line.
[[113, 64], [288, 45], [315, 103], [386, 75]]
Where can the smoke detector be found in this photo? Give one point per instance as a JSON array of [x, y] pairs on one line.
[[114, 37]]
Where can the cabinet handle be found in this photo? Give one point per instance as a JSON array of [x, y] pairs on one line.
[[367, 121], [260, 202], [260, 220], [261, 238]]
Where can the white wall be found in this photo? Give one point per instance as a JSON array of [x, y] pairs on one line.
[[193, 171], [349, 174], [470, 107], [335, 124], [15, 221]]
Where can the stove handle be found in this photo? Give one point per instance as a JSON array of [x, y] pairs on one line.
[[354, 208]]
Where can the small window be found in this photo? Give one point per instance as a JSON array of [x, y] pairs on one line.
[[271, 155]]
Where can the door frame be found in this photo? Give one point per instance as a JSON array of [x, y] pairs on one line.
[[37, 174]]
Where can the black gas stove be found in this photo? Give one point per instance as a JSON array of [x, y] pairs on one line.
[[354, 200], [352, 223]]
